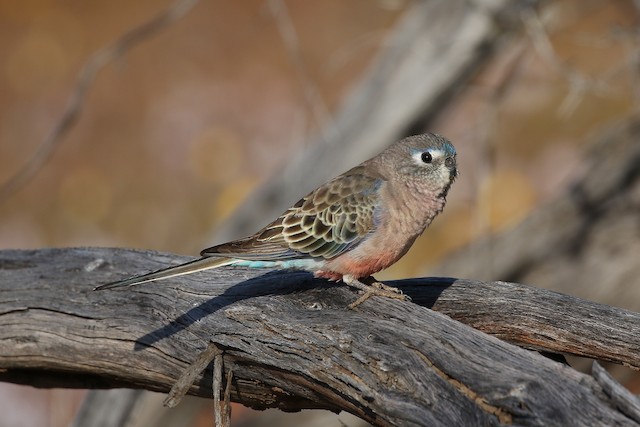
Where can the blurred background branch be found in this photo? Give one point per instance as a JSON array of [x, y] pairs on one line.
[[85, 79], [312, 95]]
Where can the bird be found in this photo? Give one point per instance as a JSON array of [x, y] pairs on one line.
[[349, 228]]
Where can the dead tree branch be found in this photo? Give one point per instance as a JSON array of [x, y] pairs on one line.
[[292, 344]]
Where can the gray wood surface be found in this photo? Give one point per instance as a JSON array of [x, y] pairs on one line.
[[293, 344]]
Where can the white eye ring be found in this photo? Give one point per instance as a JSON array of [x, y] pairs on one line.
[[427, 157]]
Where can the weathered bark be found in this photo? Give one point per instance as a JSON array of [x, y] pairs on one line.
[[293, 344]]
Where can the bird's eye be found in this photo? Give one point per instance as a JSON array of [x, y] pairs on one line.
[[426, 157]]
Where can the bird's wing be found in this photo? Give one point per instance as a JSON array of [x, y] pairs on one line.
[[324, 224]]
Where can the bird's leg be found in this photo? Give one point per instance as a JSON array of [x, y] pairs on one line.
[[372, 287]]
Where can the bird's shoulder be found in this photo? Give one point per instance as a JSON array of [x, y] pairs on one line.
[[358, 185]]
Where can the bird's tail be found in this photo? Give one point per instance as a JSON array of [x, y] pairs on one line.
[[200, 264]]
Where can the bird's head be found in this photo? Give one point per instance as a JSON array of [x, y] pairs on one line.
[[427, 162]]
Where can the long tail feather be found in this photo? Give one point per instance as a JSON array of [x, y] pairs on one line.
[[178, 270]]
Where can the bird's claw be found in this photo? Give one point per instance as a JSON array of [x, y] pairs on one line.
[[382, 286], [382, 290]]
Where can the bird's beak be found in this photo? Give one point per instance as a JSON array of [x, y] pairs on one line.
[[450, 163]]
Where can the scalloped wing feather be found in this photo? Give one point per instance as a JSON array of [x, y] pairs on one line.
[[324, 224]]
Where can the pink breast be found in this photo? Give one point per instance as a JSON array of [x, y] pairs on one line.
[[352, 263]]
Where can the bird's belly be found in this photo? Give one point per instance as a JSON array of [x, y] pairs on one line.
[[377, 252], [358, 264]]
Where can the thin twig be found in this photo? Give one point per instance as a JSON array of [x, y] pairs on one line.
[[313, 97], [217, 386], [87, 75], [187, 378], [227, 399], [579, 83]]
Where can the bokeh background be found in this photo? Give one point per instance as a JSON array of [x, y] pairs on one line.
[[179, 131]]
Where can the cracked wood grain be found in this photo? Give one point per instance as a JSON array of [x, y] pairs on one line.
[[503, 417], [292, 344]]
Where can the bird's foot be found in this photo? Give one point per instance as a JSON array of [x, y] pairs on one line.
[[371, 288], [380, 285]]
